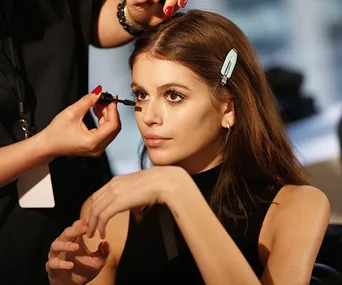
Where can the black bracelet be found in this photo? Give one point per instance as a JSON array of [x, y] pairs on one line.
[[122, 20]]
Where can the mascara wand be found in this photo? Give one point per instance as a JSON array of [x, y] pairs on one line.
[[107, 98]]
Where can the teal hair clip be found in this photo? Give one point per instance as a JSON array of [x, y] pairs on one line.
[[228, 66]]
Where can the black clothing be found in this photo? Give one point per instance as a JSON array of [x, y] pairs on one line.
[[51, 39], [144, 259]]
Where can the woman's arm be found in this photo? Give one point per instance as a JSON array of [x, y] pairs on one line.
[[296, 229], [297, 238], [218, 258], [17, 158], [299, 226]]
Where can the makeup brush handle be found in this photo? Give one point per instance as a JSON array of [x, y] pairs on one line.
[[106, 98]]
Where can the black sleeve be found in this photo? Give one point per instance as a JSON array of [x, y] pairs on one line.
[[5, 137], [95, 12], [96, 8]]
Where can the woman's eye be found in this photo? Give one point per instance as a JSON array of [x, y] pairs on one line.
[[174, 97], [140, 95]]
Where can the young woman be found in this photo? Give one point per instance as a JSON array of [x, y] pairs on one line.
[[242, 213]]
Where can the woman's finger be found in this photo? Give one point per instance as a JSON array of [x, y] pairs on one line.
[[69, 234], [60, 246], [104, 217], [58, 264], [95, 213]]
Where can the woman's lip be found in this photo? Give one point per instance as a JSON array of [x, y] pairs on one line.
[[152, 136], [155, 142]]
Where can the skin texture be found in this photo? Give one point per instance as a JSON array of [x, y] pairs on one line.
[[177, 105]]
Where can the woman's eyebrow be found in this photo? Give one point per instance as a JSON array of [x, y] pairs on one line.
[[172, 84], [136, 85], [162, 88]]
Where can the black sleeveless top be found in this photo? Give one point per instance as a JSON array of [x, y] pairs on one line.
[[145, 260]]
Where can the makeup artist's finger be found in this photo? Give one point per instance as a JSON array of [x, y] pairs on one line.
[[161, 2], [112, 112], [182, 3], [99, 110], [108, 141], [102, 146], [102, 114], [106, 130], [170, 7], [83, 105], [109, 124]]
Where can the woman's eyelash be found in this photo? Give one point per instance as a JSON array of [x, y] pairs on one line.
[[136, 93], [170, 92], [175, 93]]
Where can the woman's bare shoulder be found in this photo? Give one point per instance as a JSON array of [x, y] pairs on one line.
[[297, 210]]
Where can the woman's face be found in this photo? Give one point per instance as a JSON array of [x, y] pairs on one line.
[[175, 114]]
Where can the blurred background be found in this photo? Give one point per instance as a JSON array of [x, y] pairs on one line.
[[300, 46]]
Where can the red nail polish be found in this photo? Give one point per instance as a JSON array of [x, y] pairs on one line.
[[97, 90], [183, 3], [168, 10]]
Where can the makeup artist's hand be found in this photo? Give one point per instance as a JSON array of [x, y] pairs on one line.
[[134, 191], [150, 12], [70, 261], [68, 135]]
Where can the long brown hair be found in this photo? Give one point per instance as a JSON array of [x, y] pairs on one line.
[[257, 151]]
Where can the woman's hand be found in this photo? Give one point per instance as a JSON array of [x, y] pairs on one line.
[[68, 135], [150, 12], [134, 191], [70, 261]]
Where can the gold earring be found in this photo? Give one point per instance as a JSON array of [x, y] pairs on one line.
[[228, 127]]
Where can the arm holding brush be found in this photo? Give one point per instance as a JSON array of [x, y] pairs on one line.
[[65, 135]]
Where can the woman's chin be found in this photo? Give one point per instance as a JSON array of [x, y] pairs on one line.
[[161, 160]]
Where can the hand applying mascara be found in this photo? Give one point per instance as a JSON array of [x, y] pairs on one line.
[[77, 139]]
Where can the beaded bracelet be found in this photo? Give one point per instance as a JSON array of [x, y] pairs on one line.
[[122, 20]]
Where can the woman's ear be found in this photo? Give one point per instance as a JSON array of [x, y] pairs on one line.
[[228, 116]]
